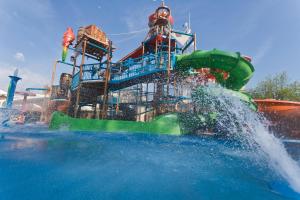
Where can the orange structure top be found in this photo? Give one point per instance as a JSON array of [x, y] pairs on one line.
[[284, 115]]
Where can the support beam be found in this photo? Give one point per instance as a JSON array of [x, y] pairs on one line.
[[147, 88], [53, 76], [175, 87], [143, 48], [65, 63], [169, 63], [182, 33], [98, 47], [107, 78], [156, 43], [74, 67], [80, 52], [187, 45], [80, 78], [73, 72]]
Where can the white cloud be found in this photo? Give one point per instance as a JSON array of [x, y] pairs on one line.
[[19, 56]]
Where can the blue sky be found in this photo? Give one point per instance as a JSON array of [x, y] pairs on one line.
[[31, 31]]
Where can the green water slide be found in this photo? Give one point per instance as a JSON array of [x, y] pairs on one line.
[[239, 69], [164, 124]]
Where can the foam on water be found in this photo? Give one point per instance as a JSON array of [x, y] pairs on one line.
[[240, 122]]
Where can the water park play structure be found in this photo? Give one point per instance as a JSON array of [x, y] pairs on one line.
[[149, 89], [142, 91]]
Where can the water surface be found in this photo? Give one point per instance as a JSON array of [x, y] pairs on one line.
[[40, 164]]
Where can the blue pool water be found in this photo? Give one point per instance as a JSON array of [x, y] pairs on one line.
[[40, 164]]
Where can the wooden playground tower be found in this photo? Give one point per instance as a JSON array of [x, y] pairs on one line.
[[85, 92], [149, 67]]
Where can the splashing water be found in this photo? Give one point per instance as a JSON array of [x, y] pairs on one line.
[[242, 123], [5, 115]]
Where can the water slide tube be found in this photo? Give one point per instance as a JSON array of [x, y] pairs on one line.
[[238, 68]]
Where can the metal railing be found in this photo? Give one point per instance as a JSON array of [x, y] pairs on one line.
[[90, 72], [126, 70], [147, 64]]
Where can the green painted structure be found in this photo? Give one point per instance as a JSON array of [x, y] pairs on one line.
[[164, 124], [240, 70]]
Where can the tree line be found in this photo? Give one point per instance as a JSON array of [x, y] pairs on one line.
[[278, 87]]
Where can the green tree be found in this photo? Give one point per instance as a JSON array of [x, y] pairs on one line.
[[277, 87]]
